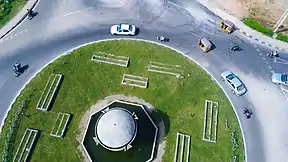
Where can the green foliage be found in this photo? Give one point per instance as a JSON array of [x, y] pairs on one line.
[[282, 37], [262, 29], [9, 9], [11, 135], [258, 27], [86, 82]]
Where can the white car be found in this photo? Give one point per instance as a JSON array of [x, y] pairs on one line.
[[123, 29], [233, 82], [280, 78]]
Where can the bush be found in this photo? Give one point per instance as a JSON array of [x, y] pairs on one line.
[[11, 136], [282, 38], [6, 8], [258, 27]]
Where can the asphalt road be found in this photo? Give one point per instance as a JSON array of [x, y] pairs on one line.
[[63, 25]]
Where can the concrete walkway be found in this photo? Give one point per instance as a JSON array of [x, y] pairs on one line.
[[12, 24], [226, 15]]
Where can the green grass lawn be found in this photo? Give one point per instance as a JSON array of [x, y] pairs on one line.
[[85, 82], [10, 10], [262, 29]]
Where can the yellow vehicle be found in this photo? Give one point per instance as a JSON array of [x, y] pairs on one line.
[[227, 26], [205, 44]]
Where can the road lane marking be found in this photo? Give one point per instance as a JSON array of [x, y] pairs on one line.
[[261, 54], [74, 12], [280, 61]]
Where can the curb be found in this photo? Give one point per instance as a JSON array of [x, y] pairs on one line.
[[104, 40], [265, 43], [242, 31], [22, 19]]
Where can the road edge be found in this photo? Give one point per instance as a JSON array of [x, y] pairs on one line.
[[134, 39], [243, 31], [18, 22]]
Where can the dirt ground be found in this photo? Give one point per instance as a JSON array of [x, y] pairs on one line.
[[267, 12]]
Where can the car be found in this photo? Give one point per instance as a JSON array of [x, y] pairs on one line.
[[233, 82], [280, 78], [123, 29]]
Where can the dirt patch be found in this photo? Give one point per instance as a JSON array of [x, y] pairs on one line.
[[267, 12], [159, 150]]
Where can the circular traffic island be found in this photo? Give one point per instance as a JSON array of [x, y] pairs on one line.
[[174, 111]]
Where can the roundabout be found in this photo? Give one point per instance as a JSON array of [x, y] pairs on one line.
[[178, 105], [62, 26]]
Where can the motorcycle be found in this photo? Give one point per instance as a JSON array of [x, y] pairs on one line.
[[247, 113], [162, 39], [16, 70], [235, 48], [30, 14], [273, 54]]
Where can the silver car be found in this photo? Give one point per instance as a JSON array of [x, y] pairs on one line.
[[280, 78], [233, 82]]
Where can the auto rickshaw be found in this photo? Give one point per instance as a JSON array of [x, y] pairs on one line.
[[205, 44], [227, 26]]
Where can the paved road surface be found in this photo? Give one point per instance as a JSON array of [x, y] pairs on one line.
[[62, 25]]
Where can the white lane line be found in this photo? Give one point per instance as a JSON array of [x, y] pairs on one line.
[[261, 54], [21, 22], [78, 11], [103, 40]]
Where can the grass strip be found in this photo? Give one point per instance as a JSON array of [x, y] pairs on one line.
[[181, 100]]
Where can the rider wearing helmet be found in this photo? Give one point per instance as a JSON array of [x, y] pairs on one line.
[[30, 12], [17, 67]]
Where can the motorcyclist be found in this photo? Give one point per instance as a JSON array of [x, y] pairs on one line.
[[161, 38], [247, 112], [16, 67], [275, 53], [30, 12], [235, 48]]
